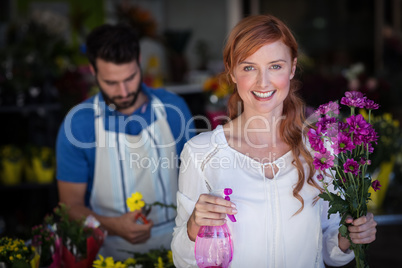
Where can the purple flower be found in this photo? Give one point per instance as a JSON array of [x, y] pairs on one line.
[[371, 136], [358, 125], [324, 123], [316, 141], [342, 143], [323, 161], [320, 177], [351, 166], [342, 126], [376, 185], [354, 99], [328, 107], [371, 105]]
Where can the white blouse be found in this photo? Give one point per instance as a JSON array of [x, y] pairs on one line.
[[267, 233]]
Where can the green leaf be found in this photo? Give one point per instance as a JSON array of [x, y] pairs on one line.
[[337, 207], [325, 196], [343, 230], [355, 204]]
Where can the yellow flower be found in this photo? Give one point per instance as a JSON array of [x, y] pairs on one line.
[[218, 88], [98, 263], [18, 256], [388, 117], [160, 263], [11, 258], [109, 262], [103, 263], [130, 261], [170, 256], [119, 265], [135, 202]]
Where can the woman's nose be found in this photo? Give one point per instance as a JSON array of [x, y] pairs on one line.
[[264, 78]]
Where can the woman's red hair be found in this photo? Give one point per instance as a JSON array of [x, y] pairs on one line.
[[249, 35]]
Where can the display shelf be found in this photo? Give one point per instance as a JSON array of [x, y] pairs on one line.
[[39, 108]]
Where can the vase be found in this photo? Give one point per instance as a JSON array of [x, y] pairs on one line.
[[11, 172], [383, 175], [213, 247]]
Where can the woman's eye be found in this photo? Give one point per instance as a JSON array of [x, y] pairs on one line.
[[276, 67], [248, 68]]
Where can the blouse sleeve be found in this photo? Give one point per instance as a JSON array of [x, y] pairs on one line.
[[332, 254], [191, 185]]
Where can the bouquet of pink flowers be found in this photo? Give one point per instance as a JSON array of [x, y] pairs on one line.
[[342, 149]]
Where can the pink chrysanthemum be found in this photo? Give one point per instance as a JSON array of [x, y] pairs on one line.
[[328, 107], [371, 105], [351, 166], [323, 161], [358, 125], [376, 185], [324, 123], [315, 140], [354, 99], [342, 143]]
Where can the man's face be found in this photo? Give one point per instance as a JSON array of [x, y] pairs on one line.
[[119, 83]]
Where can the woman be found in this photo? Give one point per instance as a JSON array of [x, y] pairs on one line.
[[263, 155]]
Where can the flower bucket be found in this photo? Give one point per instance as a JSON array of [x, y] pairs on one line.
[[42, 173], [11, 172], [64, 258], [383, 175]]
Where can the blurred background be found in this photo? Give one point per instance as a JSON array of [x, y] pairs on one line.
[[344, 45]]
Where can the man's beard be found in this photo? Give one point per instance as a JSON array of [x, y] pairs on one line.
[[121, 106]]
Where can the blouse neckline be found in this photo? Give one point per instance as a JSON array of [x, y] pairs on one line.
[[222, 138]]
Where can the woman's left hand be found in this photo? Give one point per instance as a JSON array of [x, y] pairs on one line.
[[361, 231]]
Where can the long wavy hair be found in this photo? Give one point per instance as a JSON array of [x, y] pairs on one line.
[[249, 35]]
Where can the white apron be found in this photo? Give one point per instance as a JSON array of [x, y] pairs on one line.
[[142, 163]]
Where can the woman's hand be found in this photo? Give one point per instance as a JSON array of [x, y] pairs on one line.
[[361, 231], [209, 211]]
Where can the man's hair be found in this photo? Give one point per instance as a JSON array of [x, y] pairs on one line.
[[113, 43]]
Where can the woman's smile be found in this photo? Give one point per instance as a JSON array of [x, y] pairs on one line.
[[263, 96]]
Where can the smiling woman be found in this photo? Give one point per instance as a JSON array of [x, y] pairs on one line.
[[262, 154], [263, 79]]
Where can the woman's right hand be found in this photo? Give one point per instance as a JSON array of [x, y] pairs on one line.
[[209, 211]]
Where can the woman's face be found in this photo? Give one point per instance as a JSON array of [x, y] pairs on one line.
[[263, 79]]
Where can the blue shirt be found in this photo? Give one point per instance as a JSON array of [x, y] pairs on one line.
[[76, 148]]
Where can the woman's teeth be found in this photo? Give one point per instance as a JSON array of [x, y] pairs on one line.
[[263, 94]]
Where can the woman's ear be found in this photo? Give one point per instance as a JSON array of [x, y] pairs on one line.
[[294, 64], [233, 78]]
